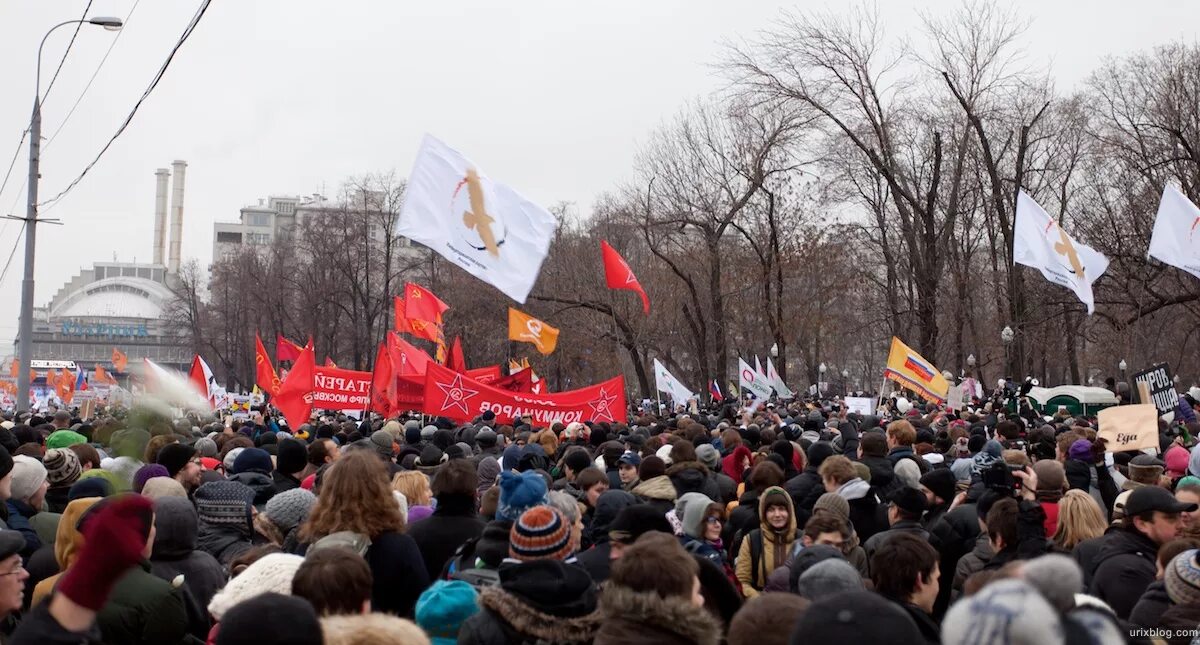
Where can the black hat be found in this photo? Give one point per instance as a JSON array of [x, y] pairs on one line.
[[11, 543], [910, 499], [633, 521], [292, 458], [941, 481], [270, 618], [856, 616], [6, 462], [1145, 499], [174, 456]]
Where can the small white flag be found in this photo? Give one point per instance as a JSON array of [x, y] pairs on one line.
[[1042, 244], [1176, 237], [753, 380], [781, 388], [481, 225], [666, 382]]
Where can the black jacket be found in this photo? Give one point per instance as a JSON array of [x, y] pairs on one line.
[[957, 531], [453, 522], [903, 526], [261, 483], [883, 474], [1085, 554], [1079, 477], [175, 554], [689, 476], [1149, 609], [597, 561], [1125, 567], [805, 488], [398, 573], [543, 601], [929, 627], [284, 482]]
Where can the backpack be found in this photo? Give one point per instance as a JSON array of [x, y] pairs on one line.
[[356, 542], [756, 551], [463, 565]]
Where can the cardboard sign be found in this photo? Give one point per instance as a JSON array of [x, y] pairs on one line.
[[1128, 427], [954, 397], [862, 405], [1162, 389]]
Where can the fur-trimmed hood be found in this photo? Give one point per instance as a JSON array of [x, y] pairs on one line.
[[528, 620], [646, 617], [656, 488]]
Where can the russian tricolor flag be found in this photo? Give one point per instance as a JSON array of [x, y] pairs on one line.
[[919, 368], [715, 391], [80, 379]]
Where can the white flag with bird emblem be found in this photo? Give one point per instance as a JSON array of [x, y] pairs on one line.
[[1176, 238], [1039, 242], [665, 381], [483, 226]]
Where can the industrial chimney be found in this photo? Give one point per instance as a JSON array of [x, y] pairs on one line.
[[160, 214], [178, 169]]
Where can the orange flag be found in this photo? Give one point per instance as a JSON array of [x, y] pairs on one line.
[[102, 376], [524, 328], [264, 371], [119, 360], [14, 369], [33, 376]]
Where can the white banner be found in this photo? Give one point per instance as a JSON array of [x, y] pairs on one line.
[[1040, 243], [752, 380], [861, 405], [1176, 237], [483, 226], [781, 388], [666, 382]]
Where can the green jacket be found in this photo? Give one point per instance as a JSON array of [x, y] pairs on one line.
[[143, 609]]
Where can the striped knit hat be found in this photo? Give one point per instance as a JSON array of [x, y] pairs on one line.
[[541, 533], [1183, 578]]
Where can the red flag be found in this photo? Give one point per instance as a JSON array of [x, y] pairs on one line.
[[421, 304], [517, 382], [399, 321], [618, 275], [295, 398], [329, 362], [264, 371], [457, 361], [406, 359], [383, 382], [202, 378], [286, 350]]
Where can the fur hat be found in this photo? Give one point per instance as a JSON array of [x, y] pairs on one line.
[[371, 629], [541, 533], [62, 466], [270, 573]]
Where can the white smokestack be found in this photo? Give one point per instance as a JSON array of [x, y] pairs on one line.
[[178, 170], [160, 214]]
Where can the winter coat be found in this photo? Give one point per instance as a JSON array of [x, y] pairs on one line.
[[903, 526], [453, 522], [57, 499], [143, 608], [597, 561], [1150, 607], [261, 483], [492, 546], [175, 554], [608, 505], [864, 502], [18, 520], [805, 488], [1125, 567], [726, 486], [398, 573], [773, 542], [658, 492], [1085, 554], [1181, 621], [957, 531], [731, 463], [929, 628], [67, 544], [973, 562], [282, 482], [692, 476], [38, 627], [646, 618], [224, 542], [900, 452], [882, 472], [542, 601], [1094, 480], [742, 519]]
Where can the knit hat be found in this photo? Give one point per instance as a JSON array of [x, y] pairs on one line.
[[97, 487], [292, 457], [910, 500], [807, 558], [231, 457], [541, 533], [252, 460], [941, 481], [225, 503], [64, 439], [652, 466], [206, 447], [412, 433], [174, 456], [856, 617], [289, 508], [444, 607], [1051, 477], [834, 504], [28, 475], [1081, 450], [383, 443], [829, 577], [62, 466], [1183, 578], [273, 572], [519, 492], [709, 456], [909, 473], [427, 432], [157, 487], [991, 612], [146, 473], [271, 618]]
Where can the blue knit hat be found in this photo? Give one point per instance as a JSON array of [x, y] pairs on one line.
[[253, 459], [444, 607], [519, 492]]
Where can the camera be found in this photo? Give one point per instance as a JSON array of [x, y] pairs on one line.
[[999, 477]]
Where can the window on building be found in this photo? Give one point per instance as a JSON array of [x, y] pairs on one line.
[[143, 272], [286, 208], [232, 237], [258, 219]]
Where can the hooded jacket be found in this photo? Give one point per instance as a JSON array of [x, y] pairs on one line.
[[646, 618], [176, 531], [225, 542], [541, 601], [776, 545], [1125, 567], [608, 505], [693, 476], [730, 464], [67, 542], [806, 487], [690, 510], [659, 492], [261, 483]]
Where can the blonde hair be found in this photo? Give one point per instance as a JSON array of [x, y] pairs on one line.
[[415, 487], [1079, 518]]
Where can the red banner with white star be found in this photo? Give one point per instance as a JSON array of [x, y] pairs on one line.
[[461, 398]]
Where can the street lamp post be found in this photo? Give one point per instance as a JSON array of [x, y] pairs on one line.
[[845, 382], [1121, 366], [821, 376], [1006, 336], [25, 330]]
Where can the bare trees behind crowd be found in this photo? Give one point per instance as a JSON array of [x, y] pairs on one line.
[[848, 184]]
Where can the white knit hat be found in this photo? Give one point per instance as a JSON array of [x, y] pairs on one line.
[[272, 572], [28, 475]]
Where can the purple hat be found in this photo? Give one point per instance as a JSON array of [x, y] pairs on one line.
[[1081, 450], [145, 473]]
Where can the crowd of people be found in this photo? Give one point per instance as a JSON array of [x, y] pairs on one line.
[[793, 524]]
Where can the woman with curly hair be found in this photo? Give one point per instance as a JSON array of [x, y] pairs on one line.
[[356, 498]]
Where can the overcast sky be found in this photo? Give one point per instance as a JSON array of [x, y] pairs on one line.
[[291, 97]]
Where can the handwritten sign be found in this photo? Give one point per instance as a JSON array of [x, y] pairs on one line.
[[1161, 387], [1129, 427], [862, 405]]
